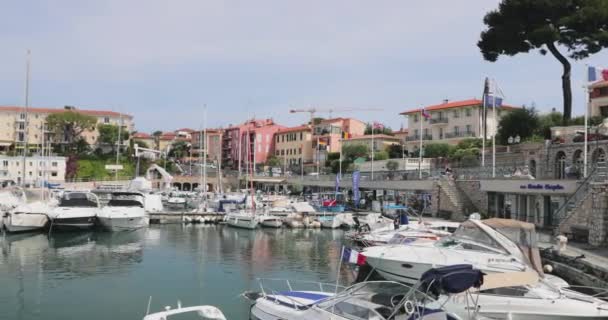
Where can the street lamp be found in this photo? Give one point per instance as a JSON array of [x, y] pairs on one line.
[[514, 140]]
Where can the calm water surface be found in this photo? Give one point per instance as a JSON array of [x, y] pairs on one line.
[[112, 275]]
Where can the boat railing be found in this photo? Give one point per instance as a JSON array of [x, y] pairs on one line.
[[594, 292], [274, 286]]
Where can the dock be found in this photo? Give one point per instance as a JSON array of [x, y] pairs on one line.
[[168, 217]]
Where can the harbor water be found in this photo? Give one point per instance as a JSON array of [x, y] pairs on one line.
[[100, 275]]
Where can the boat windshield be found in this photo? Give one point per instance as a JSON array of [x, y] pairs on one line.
[[371, 300], [470, 236], [78, 200], [126, 201]]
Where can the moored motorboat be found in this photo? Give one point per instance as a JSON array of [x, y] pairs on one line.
[[200, 312], [77, 210], [27, 217], [270, 221], [124, 211]]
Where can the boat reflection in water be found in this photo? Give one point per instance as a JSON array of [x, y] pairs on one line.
[[102, 275]]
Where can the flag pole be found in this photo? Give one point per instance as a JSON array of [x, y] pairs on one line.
[[341, 142], [586, 102], [483, 127], [420, 147], [495, 130]]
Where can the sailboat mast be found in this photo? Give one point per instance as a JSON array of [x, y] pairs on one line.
[[118, 146], [25, 123], [205, 145]]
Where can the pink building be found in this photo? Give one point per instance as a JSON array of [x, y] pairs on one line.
[[258, 134], [214, 139]]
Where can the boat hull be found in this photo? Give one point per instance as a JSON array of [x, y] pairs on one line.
[[123, 223], [274, 223], [73, 223], [25, 222], [242, 222]]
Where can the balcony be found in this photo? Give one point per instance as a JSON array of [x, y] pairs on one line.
[[439, 120], [463, 134], [417, 137]]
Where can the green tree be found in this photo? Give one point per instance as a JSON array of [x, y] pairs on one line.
[[156, 134], [436, 150], [354, 151], [519, 26], [523, 122], [384, 130], [395, 151], [179, 149], [547, 121], [108, 135], [392, 165], [380, 155], [68, 126], [273, 161], [333, 156]]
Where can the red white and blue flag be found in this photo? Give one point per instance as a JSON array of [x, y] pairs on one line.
[[596, 74], [352, 256]]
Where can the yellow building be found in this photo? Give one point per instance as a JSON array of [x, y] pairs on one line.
[[16, 124], [380, 141], [293, 146]]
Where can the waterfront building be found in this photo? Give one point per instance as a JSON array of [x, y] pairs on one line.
[[328, 133], [147, 139], [380, 141], [258, 134], [17, 124], [293, 146], [450, 122], [37, 170], [598, 99], [401, 134], [214, 139]]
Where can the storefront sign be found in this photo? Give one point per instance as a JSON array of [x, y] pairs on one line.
[[540, 186]]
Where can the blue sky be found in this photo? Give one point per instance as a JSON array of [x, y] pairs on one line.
[[163, 60]]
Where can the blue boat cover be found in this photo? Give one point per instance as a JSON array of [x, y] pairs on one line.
[[304, 295], [451, 279]]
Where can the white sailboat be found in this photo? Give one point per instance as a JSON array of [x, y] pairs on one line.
[[27, 217]]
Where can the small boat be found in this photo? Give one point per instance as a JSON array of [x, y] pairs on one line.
[[372, 300], [270, 221], [77, 210], [27, 217], [242, 219], [177, 200], [124, 211], [200, 312]]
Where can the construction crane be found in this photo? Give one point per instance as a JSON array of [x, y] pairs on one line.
[[312, 111]]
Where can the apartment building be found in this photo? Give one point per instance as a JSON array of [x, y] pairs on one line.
[[293, 146], [146, 138], [598, 99], [16, 124], [379, 142], [451, 122], [328, 135], [37, 170], [214, 140], [253, 139]]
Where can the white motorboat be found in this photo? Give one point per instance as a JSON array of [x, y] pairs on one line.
[[500, 248], [177, 200], [336, 221], [27, 217], [242, 219], [270, 221], [77, 210], [404, 234], [473, 242], [374, 300], [124, 211], [199, 312]]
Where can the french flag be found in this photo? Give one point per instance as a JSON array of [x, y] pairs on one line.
[[352, 256], [596, 74], [425, 113]]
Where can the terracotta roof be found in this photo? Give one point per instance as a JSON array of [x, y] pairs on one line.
[[339, 119], [185, 130], [404, 130], [96, 113], [294, 129], [376, 136], [142, 135], [455, 104]]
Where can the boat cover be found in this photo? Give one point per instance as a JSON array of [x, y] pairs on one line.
[[28, 220], [451, 279]]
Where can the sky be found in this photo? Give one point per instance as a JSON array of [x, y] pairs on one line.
[[163, 61]]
